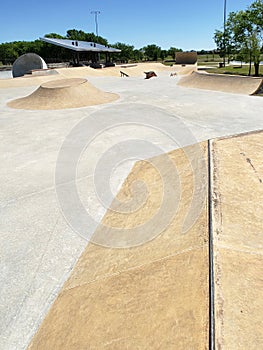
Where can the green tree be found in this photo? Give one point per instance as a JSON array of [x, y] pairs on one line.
[[8, 54], [163, 54], [74, 34], [54, 35], [256, 17], [224, 43], [172, 51], [243, 32], [246, 35], [138, 55], [152, 52], [126, 53]]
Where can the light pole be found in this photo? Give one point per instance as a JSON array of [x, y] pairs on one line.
[[96, 13], [224, 35]]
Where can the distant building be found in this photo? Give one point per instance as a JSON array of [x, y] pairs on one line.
[[83, 46]]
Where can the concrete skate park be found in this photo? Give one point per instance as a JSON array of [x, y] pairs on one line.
[[131, 210]]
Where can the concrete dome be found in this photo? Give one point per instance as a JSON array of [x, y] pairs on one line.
[[64, 93], [26, 63]]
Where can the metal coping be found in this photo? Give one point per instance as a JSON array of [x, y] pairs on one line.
[[211, 251]]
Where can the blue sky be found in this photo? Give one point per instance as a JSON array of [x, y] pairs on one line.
[[183, 24]]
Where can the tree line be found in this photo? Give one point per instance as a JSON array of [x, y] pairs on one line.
[[242, 37], [9, 52]]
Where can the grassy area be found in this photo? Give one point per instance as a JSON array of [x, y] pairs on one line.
[[211, 58], [214, 60], [170, 63], [236, 70]]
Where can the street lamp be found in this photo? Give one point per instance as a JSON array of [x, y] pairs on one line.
[[224, 35], [96, 13]]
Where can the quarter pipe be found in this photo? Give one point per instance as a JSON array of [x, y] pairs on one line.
[[220, 82]]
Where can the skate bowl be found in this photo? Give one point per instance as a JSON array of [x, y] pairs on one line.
[[63, 93], [27, 63], [220, 82]]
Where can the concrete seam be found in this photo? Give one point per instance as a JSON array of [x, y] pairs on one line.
[[44, 190], [104, 277], [11, 325], [245, 251], [211, 251]]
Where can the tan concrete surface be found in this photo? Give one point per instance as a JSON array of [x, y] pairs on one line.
[[221, 82], [147, 297], [97, 261], [160, 305], [135, 70], [84, 72], [63, 93], [239, 307], [238, 242]]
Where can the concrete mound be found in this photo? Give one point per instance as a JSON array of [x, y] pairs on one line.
[[64, 93], [26, 63], [219, 82]]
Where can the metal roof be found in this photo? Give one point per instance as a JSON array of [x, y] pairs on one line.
[[78, 45]]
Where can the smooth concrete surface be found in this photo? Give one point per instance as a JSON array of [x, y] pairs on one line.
[[238, 243], [38, 246], [154, 295], [6, 74]]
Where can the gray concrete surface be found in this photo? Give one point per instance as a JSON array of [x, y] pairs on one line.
[[6, 74], [38, 247]]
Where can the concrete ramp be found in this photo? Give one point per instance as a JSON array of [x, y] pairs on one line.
[[150, 296], [221, 82], [178, 290]]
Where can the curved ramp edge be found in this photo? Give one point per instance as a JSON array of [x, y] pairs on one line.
[[221, 82]]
